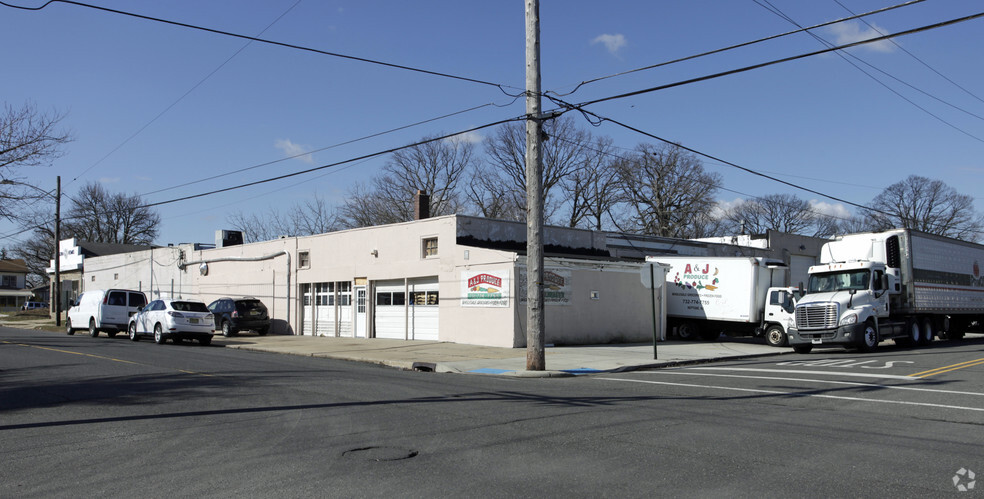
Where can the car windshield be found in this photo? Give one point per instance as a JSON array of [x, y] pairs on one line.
[[189, 306], [839, 281]]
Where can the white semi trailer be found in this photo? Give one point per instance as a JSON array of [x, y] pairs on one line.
[[901, 284], [739, 296]]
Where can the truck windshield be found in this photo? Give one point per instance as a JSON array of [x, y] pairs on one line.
[[839, 281]]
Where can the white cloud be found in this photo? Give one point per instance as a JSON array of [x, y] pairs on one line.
[[613, 43], [291, 150], [472, 137], [724, 206], [836, 210], [853, 31]]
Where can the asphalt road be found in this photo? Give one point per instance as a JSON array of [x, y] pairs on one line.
[[86, 417]]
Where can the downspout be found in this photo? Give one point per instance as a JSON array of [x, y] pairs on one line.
[[183, 264]]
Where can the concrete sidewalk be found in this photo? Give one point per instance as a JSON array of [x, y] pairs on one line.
[[472, 359]]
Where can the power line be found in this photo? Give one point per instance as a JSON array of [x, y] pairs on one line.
[[501, 87], [844, 55], [736, 46], [322, 167], [910, 54], [188, 92], [779, 61], [268, 163]]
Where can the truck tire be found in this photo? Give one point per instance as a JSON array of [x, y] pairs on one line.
[[913, 333], [926, 332], [803, 348], [869, 338], [688, 331], [68, 327], [93, 330], [775, 336]]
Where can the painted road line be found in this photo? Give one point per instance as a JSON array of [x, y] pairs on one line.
[[798, 394], [96, 356], [795, 371], [946, 369], [681, 372]]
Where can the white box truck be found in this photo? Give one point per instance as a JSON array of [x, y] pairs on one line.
[[901, 284], [740, 296]]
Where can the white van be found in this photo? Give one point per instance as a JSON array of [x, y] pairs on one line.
[[106, 310]]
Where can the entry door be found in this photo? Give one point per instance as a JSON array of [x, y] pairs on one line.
[[360, 311]]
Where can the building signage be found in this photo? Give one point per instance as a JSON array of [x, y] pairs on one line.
[[556, 286], [486, 288]]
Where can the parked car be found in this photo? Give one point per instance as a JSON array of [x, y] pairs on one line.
[[34, 305], [233, 315], [107, 310], [176, 320]]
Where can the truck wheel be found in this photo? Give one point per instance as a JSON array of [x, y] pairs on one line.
[[869, 338], [802, 348], [92, 328], [927, 332], [775, 336], [912, 336], [688, 331], [68, 327]]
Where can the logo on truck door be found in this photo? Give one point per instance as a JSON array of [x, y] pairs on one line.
[[698, 277]]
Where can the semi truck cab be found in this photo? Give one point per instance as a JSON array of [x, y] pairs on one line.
[[846, 303]]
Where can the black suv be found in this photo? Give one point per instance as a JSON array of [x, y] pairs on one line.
[[233, 315]]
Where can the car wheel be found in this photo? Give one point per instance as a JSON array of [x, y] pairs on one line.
[[688, 331], [205, 341], [803, 348], [775, 336], [227, 329], [159, 335], [133, 332], [869, 338], [92, 328], [68, 327]]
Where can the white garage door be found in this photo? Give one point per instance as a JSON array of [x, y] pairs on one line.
[[407, 311]]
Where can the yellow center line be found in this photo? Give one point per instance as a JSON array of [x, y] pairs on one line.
[[946, 369], [95, 356]]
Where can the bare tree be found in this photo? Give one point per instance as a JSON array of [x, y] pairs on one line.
[[927, 205], [28, 138], [314, 216], [667, 191], [594, 189], [98, 216], [436, 167], [565, 150], [781, 212]]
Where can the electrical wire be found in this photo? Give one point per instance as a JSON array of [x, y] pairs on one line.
[[330, 165], [844, 55], [188, 92], [910, 54], [780, 61], [352, 141], [500, 86], [736, 46]]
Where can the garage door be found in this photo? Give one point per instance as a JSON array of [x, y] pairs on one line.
[[407, 311]]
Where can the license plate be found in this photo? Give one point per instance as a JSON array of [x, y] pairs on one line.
[[193, 321], [817, 341]]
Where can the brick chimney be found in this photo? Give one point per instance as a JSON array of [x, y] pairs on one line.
[[421, 205]]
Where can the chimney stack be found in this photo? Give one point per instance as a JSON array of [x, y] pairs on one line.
[[421, 205]]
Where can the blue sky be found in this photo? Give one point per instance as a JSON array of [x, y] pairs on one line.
[[818, 122]]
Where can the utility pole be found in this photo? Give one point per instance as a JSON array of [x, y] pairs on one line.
[[535, 358], [58, 296]]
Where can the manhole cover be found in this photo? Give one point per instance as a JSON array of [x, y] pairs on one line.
[[380, 453]]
